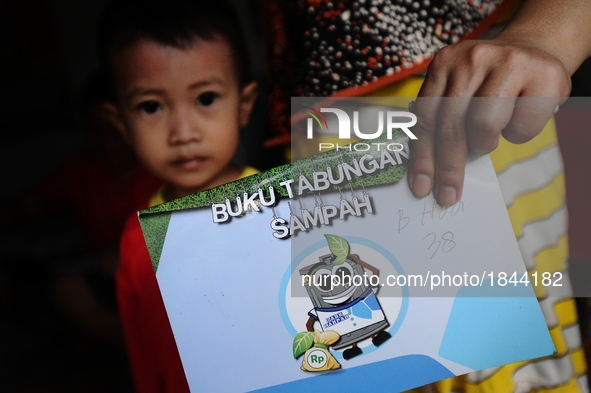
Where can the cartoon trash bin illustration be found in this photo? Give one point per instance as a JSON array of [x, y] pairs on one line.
[[343, 302]]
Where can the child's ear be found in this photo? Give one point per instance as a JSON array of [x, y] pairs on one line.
[[112, 115], [248, 97]]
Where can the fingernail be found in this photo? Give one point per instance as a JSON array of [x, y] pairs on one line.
[[447, 196], [421, 185]]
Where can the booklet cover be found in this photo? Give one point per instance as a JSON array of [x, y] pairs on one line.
[[328, 274]]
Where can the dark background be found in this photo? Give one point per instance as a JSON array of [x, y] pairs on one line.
[[47, 52]]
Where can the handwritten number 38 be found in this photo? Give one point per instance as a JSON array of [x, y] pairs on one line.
[[446, 242]]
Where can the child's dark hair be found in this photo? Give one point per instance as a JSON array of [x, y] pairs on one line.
[[176, 23]]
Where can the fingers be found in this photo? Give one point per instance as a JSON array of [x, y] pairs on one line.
[[439, 154], [537, 101], [451, 150], [488, 116], [491, 110], [529, 117], [535, 106], [507, 103], [422, 158]]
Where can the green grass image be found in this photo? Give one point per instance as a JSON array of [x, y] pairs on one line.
[[154, 220]]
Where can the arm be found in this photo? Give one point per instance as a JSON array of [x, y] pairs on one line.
[[310, 324], [533, 57], [559, 28]]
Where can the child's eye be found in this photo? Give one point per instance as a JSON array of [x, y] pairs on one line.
[[206, 99], [150, 107]]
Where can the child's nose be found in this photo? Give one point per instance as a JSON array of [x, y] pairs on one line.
[[183, 127]]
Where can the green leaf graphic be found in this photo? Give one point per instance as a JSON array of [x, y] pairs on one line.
[[275, 176], [339, 247], [301, 342], [339, 261]]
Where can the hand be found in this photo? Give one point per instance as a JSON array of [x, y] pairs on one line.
[[521, 85]]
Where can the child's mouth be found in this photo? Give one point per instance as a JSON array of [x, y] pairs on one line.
[[190, 163]]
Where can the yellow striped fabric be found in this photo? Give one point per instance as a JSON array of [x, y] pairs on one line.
[[532, 183]]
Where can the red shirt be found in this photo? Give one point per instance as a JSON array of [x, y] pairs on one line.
[[155, 362], [152, 350]]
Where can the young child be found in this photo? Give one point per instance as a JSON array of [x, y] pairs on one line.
[[182, 93]]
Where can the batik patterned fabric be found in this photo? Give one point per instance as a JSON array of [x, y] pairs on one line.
[[349, 48], [346, 44]]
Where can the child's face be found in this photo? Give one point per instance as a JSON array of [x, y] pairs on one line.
[[181, 110]]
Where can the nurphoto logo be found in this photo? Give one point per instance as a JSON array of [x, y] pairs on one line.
[[394, 120], [344, 123]]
